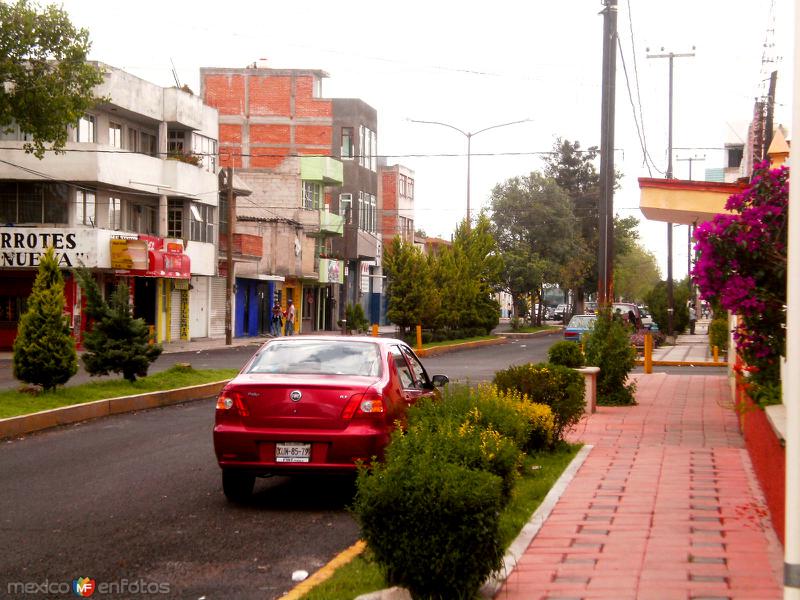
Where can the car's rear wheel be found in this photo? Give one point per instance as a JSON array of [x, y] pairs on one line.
[[237, 485]]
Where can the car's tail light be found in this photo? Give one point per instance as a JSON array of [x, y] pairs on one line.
[[231, 401], [369, 403]]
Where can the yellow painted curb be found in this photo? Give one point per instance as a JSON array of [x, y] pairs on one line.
[[436, 350], [325, 572], [684, 363]]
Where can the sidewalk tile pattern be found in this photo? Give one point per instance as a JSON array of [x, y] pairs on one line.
[[665, 507]]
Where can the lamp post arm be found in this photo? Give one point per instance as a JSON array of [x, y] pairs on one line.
[[464, 133], [497, 126]]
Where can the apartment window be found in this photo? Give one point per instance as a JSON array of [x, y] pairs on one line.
[[175, 142], [373, 151], [312, 194], [115, 135], [142, 218], [28, 202], [373, 211], [402, 185], [86, 129], [114, 213], [175, 219], [345, 206], [148, 144], [410, 188], [735, 156], [206, 148], [361, 210], [201, 223], [347, 143], [133, 140], [85, 208]]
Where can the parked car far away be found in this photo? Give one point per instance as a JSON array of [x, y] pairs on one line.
[[313, 405], [578, 325], [561, 311]]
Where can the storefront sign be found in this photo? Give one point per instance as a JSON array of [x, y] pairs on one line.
[[128, 254], [365, 277], [331, 271], [24, 246]]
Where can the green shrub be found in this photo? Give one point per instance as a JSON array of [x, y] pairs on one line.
[[566, 354], [560, 388], [432, 525], [657, 304], [718, 333], [44, 349], [356, 320], [608, 346]]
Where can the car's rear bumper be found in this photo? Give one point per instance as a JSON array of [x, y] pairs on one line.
[[331, 451]]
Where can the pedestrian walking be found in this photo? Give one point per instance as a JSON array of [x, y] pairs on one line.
[[290, 315], [277, 319], [692, 319]]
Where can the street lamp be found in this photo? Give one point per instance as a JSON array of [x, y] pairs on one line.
[[469, 135]]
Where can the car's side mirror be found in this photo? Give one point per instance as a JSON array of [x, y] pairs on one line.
[[439, 380]]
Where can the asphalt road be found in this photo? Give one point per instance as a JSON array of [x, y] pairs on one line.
[[137, 497]]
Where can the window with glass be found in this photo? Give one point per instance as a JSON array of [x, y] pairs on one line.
[[410, 188], [201, 222], [133, 140], [373, 151], [148, 144], [402, 185], [175, 219], [86, 129], [361, 210], [205, 148], [312, 194], [115, 135], [318, 356], [142, 218], [345, 206], [347, 143], [85, 208], [114, 213], [373, 212], [34, 202], [175, 142]]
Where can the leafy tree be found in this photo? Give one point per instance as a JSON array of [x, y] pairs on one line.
[[44, 350], [658, 305], [635, 274], [411, 297], [115, 342], [47, 83], [536, 233], [608, 346]]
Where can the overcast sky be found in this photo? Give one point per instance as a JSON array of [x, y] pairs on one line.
[[477, 64]]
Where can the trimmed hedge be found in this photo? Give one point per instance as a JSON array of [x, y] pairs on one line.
[[566, 354], [560, 388], [718, 333]]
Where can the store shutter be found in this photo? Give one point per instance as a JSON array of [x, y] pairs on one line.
[[218, 286]]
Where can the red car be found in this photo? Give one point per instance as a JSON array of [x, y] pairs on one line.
[[314, 404]]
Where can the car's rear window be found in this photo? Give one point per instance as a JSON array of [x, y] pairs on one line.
[[581, 322], [318, 357]]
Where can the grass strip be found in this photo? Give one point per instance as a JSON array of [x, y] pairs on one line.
[[539, 473], [14, 403]]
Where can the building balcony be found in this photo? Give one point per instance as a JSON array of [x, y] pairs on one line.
[[330, 223], [324, 169], [245, 246]]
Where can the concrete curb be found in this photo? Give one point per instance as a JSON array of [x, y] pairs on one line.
[[524, 336], [683, 363], [24, 424], [437, 350]]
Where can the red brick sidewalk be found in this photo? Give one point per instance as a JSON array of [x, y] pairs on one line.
[[665, 507]]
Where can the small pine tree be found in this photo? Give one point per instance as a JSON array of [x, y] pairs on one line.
[[115, 342], [608, 346], [44, 350]]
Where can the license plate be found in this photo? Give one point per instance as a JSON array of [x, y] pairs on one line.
[[292, 452]]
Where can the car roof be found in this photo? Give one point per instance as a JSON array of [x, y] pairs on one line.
[[381, 341]]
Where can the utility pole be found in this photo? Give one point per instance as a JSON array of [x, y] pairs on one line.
[[605, 256], [773, 80], [670, 294], [229, 262]]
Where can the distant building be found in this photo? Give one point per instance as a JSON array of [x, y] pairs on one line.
[[276, 132], [134, 199], [357, 200]]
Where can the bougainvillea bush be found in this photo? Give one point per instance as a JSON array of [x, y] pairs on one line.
[[741, 264]]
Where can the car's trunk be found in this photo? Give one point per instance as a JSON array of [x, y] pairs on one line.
[[322, 398]]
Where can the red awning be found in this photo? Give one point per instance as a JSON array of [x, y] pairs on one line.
[[173, 265]]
